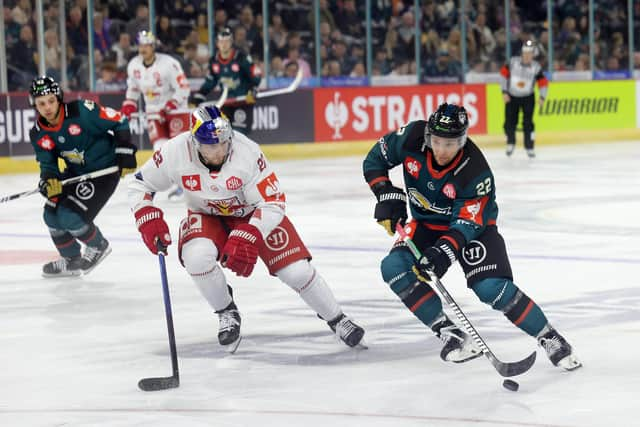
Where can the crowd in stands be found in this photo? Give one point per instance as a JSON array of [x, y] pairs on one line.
[[181, 28]]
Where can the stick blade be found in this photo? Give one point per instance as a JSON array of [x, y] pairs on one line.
[[155, 384], [511, 369]]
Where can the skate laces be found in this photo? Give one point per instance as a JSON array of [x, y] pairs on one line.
[[92, 253], [451, 331], [60, 264], [345, 327], [228, 320], [551, 344]]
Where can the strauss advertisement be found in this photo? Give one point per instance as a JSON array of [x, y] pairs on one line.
[[344, 114]]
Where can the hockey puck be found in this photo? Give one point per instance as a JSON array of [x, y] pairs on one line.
[[510, 385]]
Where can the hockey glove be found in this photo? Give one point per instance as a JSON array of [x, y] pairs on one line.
[[197, 98], [435, 260], [129, 106], [153, 228], [50, 187], [171, 105], [251, 96], [391, 207], [240, 253], [126, 158]]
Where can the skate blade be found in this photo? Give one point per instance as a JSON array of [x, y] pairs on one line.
[[74, 273], [570, 363], [231, 348]]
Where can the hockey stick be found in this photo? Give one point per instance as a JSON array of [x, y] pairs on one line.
[[163, 383], [267, 93], [74, 180], [506, 369], [218, 102]]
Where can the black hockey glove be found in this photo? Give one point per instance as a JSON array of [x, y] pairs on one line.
[[391, 208], [126, 158], [197, 98], [435, 260], [50, 187]]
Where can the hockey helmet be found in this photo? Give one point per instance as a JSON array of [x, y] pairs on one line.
[[529, 46], [209, 126], [448, 121], [225, 33], [44, 85], [145, 37]]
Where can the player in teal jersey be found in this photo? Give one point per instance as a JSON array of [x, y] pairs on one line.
[[87, 137], [452, 201], [235, 70]]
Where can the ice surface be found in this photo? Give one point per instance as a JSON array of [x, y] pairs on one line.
[[72, 351]]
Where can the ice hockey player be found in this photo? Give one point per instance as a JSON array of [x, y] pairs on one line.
[[88, 137], [517, 79], [235, 70], [164, 88], [451, 193], [236, 213]]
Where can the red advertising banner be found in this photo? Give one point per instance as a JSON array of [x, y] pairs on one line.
[[347, 114]]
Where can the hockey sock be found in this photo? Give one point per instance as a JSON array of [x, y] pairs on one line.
[[90, 235], [66, 244]]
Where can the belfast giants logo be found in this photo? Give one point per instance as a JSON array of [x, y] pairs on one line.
[[474, 253], [85, 190]]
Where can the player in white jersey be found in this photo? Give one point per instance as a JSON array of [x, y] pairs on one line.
[[162, 83], [236, 213]]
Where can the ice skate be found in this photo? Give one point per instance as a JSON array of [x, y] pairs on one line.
[[350, 333], [558, 349], [176, 194], [458, 346], [531, 153], [229, 328], [510, 149], [93, 255], [63, 267]]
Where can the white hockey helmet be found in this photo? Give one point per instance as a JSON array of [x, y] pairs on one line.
[[146, 37]]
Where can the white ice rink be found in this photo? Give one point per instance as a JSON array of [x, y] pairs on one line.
[[72, 351]]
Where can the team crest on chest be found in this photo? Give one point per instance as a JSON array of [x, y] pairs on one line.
[[412, 166], [191, 182], [46, 143]]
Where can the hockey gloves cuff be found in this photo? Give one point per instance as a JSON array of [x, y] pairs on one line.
[[129, 106], [240, 253], [126, 158], [435, 260], [153, 228], [50, 187], [391, 207], [171, 105]]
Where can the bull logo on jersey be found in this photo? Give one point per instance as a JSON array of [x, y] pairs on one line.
[[418, 199], [412, 166], [73, 156], [474, 252], [191, 182], [227, 207]]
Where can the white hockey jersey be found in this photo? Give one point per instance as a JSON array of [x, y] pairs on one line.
[[245, 184], [162, 81]]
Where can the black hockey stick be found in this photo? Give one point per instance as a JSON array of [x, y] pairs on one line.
[[163, 383], [73, 180], [506, 369]]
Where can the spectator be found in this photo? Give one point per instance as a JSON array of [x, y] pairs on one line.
[[203, 28], [123, 50], [101, 37], [339, 54], [24, 52], [11, 28], [109, 81], [291, 70], [358, 70], [22, 12], [277, 68], [166, 34], [52, 53], [77, 31], [294, 56], [381, 62], [278, 36], [325, 16], [247, 22], [190, 63], [349, 21], [241, 41], [220, 19], [139, 23]]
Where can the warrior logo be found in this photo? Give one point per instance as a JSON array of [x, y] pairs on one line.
[[336, 115], [85, 190], [278, 239], [191, 182], [474, 253]]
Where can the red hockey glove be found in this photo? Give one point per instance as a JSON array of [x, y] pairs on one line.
[[240, 253], [171, 105], [129, 106], [152, 227]]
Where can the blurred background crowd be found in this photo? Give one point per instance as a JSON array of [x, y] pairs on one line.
[[181, 28]]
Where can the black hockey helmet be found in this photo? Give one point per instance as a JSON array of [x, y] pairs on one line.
[[44, 85], [448, 121], [224, 33]]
